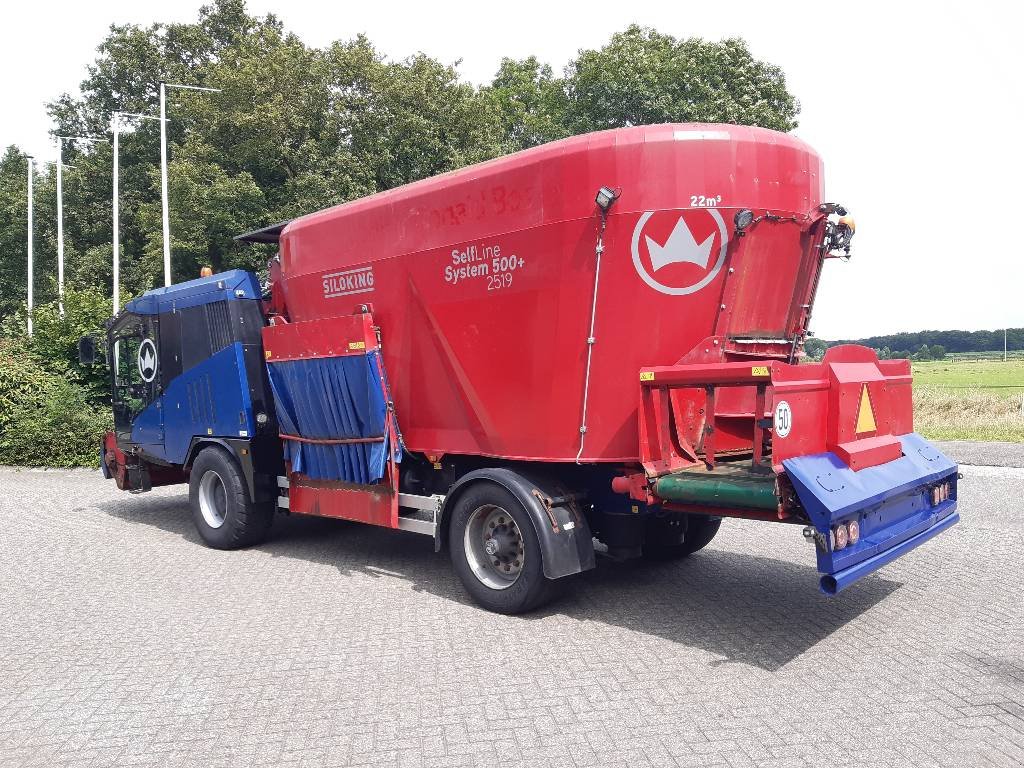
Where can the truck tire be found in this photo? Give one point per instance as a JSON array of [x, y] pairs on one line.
[[222, 511], [495, 551], [659, 543]]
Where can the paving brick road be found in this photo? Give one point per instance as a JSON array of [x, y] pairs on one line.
[[124, 641]]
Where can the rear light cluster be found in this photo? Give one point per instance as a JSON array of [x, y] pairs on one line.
[[845, 535], [940, 493]]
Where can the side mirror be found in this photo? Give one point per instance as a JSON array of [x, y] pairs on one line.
[[87, 350]]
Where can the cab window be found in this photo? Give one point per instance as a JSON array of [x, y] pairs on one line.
[[133, 369]]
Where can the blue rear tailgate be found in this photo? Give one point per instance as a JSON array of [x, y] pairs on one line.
[[892, 502]]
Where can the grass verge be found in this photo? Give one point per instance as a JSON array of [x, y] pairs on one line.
[[979, 400]]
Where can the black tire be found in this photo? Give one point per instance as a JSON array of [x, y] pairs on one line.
[[480, 504], [661, 542], [217, 490]]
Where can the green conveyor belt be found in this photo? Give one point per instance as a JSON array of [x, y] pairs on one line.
[[725, 487]]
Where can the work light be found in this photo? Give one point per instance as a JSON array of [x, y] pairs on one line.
[[605, 197], [743, 219]]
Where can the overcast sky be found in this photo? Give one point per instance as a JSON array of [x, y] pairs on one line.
[[915, 110]]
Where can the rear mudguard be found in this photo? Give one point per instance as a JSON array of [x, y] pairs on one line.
[[566, 544], [892, 503]]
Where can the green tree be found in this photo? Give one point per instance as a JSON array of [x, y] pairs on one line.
[[529, 103], [642, 76], [54, 341], [13, 229], [45, 419], [815, 348]]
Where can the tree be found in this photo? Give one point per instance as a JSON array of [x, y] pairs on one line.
[[815, 348], [13, 182], [530, 104], [642, 76]]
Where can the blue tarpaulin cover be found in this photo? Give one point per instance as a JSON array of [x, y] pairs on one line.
[[332, 398]]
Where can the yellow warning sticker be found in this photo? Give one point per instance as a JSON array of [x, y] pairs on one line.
[[356, 345], [865, 414], [759, 370], [646, 375], [267, 354]]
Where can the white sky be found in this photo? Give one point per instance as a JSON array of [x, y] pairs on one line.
[[915, 109]]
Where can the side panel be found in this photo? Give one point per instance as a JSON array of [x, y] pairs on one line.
[[211, 375], [211, 398]]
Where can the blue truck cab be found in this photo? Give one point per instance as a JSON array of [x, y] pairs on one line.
[[187, 374]]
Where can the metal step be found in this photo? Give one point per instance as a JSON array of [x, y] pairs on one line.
[[422, 512]]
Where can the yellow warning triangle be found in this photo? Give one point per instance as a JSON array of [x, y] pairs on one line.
[[865, 415]]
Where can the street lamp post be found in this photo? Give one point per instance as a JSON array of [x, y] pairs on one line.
[[60, 214], [60, 230], [163, 169], [31, 266], [115, 128]]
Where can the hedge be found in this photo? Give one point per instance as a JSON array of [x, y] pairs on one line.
[[53, 412]]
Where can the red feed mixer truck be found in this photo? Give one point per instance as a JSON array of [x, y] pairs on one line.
[[595, 343]]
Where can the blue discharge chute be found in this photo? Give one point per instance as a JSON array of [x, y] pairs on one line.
[[333, 399]]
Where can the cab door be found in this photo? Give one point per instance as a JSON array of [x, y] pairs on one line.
[[137, 387]]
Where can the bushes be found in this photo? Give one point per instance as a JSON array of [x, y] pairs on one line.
[[45, 418], [52, 411]]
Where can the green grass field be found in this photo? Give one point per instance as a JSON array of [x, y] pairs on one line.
[[976, 400]]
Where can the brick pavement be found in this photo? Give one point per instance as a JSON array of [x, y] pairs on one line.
[[124, 641]]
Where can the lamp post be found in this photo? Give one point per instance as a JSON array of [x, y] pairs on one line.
[[163, 169], [31, 266], [115, 129], [60, 214]]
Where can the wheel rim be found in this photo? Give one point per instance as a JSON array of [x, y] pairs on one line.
[[494, 547], [213, 499]]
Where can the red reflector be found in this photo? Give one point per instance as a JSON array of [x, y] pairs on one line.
[[853, 532], [840, 537]]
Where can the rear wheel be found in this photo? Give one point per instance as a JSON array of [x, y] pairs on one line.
[[495, 551], [222, 511], [670, 539]]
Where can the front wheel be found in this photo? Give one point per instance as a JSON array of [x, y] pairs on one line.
[[222, 511], [495, 551]]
